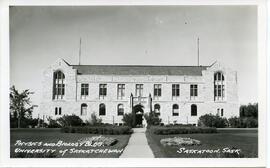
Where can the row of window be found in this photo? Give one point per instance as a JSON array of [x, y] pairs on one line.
[[120, 109], [59, 88], [138, 90]]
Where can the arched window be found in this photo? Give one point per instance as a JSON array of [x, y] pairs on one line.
[[157, 109], [102, 109], [120, 109], [193, 110], [84, 109], [58, 85], [219, 86], [175, 110]]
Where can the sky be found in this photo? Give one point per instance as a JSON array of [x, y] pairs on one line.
[[133, 35]]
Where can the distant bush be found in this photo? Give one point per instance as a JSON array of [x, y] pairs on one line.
[[168, 130], [70, 120], [110, 130], [246, 122], [152, 118], [210, 120]]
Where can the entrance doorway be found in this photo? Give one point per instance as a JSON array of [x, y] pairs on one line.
[[138, 110]]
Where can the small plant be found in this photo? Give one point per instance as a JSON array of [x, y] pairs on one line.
[[94, 120]]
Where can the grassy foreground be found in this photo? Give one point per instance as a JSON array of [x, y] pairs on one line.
[[54, 135], [245, 140]]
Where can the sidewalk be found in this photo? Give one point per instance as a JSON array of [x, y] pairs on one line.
[[137, 146]]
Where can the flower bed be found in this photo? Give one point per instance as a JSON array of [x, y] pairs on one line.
[[176, 141], [167, 130], [109, 130]]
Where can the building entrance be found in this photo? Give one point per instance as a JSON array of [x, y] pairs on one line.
[[138, 110]]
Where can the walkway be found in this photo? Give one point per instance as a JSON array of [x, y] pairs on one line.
[[137, 146]]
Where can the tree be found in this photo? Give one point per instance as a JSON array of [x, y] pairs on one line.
[[20, 106], [250, 110]]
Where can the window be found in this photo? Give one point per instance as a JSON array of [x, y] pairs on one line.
[[84, 109], [58, 85], [218, 111], [219, 87], [193, 90], [120, 109], [157, 109], [60, 110], [139, 90], [175, 90], [120, 91], [157, 91], [221, 112], [84, 89], [102, 90], [56, 111], [175, 110], [193, 110], [102, 109]]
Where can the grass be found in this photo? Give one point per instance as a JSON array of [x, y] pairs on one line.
[[52, 135], [246, 140]]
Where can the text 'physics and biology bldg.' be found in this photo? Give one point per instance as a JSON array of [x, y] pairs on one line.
[[178, 94]]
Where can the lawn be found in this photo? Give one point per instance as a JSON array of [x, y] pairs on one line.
[[54, 135], [245, 140]]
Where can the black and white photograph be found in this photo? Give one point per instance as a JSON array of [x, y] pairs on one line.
[[134, 81]]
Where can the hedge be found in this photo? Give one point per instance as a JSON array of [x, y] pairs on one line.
[[163, 130], [109, 130]]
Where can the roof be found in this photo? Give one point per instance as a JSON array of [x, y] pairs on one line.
[[139, 70]]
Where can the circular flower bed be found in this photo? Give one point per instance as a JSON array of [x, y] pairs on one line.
[[176, 141], [102, 140]]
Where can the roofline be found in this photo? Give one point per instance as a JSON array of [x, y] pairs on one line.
[[145, 65]]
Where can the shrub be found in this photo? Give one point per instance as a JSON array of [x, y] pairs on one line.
[[129, 119], [70, 120], [53, 123], [110, 130], [163, 130], [152, 118], [210, 120]]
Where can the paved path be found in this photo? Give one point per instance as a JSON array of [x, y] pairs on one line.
[[137, 146]]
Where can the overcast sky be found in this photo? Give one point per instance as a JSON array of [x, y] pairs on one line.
[[137, 35]]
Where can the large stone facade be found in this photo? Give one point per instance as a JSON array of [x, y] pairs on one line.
[[72, 101]]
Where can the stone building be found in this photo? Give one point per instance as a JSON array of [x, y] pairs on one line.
[[179, 94]]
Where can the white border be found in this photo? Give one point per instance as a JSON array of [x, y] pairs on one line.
[[129, 162]]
